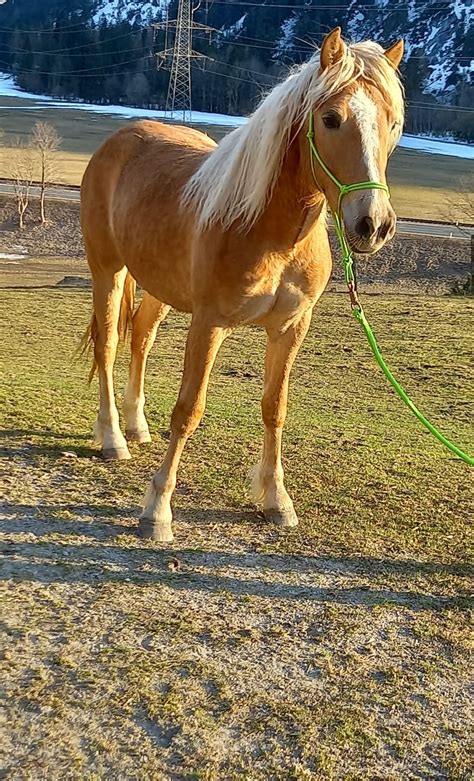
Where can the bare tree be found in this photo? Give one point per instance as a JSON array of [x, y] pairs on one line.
[[460, 211], [21, 173], [459, 205], [46, 141]]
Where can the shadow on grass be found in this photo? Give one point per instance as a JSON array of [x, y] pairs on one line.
[[19, 433], [17, 444], [58, 561]]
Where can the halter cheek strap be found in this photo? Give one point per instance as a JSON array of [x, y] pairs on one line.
[[350, 277]]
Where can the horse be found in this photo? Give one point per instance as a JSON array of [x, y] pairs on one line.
[[234, 234]]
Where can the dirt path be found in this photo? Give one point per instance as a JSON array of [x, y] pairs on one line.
[[407, 265]]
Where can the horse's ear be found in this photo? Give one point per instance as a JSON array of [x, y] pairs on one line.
[[332, 49], [394, 53]]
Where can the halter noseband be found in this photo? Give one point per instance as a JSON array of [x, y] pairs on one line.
[[347, 257]]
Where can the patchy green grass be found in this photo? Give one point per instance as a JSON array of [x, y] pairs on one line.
[[335, 650], [421, 185]]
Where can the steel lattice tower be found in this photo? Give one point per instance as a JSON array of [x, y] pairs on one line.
[[179, 89]]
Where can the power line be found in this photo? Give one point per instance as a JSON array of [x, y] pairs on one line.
[[80, 46], [309, 48], [265, 44], [84, 75], [319, 7], [246, 70], [51, 30], [58, 27], [82, 70], [440, 107]]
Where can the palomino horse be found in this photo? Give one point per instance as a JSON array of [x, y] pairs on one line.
[[234, 234]]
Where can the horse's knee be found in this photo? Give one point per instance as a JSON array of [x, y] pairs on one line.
[[273, 414], [186, 418]]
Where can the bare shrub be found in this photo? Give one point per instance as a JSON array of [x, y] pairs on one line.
[[21, 174], [46, 142], [460, 210]]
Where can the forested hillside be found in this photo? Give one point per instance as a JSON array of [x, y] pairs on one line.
[[109, 50]]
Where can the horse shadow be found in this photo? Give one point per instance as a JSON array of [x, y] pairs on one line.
[[242, 573], [15, 442]]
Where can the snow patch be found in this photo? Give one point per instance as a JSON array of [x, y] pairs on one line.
[[9, 89], [234, 29], [463, 11], [285, 43], [434, 147], [134, 11]]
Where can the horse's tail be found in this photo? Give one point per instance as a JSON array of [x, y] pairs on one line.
[[87, 342], [127, 305]]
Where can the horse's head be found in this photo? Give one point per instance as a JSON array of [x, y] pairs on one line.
[[355, 131]]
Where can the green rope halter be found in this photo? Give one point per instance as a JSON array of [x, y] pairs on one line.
[[350, 278]]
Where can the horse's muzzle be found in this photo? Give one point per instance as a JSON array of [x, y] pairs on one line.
[[370, 233]]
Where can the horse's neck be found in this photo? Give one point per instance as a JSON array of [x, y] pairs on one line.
[[295, 207]]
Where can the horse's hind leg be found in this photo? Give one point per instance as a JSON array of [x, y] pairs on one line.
[[146, 320], [108, 295]]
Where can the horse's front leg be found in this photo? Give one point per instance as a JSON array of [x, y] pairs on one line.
[[268, 489], [202, 345]]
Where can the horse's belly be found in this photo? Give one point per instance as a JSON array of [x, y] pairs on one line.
[[159, 259], [162, 283]]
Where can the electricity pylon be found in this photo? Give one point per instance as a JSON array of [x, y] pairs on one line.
[[181, 54]]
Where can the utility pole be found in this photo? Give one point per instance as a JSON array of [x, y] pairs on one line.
[[181, 54]]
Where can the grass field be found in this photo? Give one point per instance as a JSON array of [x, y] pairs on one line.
[[420, 183], [338, 650]]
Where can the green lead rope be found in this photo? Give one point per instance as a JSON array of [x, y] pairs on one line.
[[349, 275]]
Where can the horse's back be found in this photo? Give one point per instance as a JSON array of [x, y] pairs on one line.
[[140, 157]]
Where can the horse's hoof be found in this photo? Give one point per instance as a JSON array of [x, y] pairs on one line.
[[115, 454], [284, 518], [140, 437], [153, 530]]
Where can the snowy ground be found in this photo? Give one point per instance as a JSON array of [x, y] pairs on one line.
[[9, 89]]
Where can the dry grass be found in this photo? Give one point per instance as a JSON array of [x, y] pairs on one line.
[[420, 183], [336, 651]]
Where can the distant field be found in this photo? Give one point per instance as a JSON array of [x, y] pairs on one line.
[[420, 182]]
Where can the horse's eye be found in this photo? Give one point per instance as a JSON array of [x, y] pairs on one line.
[[332, 120]]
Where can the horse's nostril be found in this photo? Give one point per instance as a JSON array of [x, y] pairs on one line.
[[384, 229], [365, 228]]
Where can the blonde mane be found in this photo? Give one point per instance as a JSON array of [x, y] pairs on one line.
[[237, 178]]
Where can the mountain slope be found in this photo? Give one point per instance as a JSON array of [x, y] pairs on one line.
[[132, 11], [107, 50]]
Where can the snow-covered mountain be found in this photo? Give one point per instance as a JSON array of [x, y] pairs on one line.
[[251, 46], [438, 35], [133, 11]]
